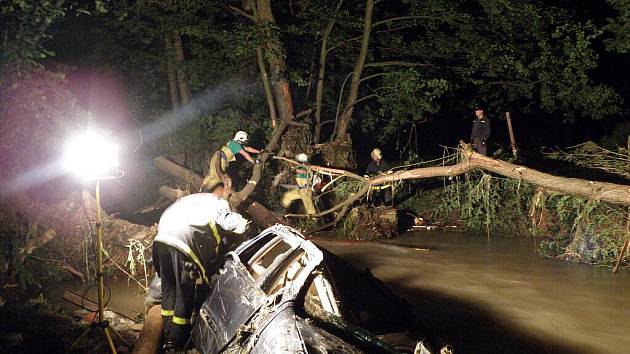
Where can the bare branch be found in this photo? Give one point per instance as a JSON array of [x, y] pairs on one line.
[[241, 12]]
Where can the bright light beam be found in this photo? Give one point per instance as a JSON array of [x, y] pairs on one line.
[[91, 156]]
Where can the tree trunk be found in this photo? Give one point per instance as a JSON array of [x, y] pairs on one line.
[[346, 116], [257, 211], [150, 337], [277, 65], [601, 191], [323, 53], [182, 83], [172, 74], [264, 76]]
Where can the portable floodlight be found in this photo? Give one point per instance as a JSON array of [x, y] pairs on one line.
[[90, 156]]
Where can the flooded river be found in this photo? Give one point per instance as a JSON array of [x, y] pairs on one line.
[[486, 296], [497, 296]]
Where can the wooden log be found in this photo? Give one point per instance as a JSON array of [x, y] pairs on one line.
[[254, 209], [179, 172], [172, 193], [149, 339], [263, 215], [601, 191], [508, 117]]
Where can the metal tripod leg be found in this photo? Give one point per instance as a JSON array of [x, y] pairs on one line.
[[119, 336], [87, 330]]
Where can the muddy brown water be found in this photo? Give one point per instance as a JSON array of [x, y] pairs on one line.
[[484, 295], [497, 295]]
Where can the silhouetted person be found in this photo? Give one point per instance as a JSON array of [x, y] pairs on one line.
[[480, 131], [378, 166]]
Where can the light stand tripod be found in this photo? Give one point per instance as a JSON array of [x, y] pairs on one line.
[[101, 321]]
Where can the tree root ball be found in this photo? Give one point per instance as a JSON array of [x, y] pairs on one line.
[[370, 223]]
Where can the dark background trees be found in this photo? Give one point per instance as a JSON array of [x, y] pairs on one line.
[[334, 78]]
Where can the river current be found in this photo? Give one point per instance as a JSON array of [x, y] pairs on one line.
[[496, 295]]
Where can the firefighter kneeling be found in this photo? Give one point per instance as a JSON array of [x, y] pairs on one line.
[[185, 254]]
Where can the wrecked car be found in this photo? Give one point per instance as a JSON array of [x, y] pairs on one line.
[[279, 292]]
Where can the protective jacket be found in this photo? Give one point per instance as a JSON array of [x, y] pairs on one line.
[[190, 226], [219, 163], [375, 168], [185, 253], [304, 192], [480, 129]]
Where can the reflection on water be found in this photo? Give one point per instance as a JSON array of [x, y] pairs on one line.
[[126, 297], [498, 296]]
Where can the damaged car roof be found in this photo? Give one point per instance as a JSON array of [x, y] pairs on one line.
[[281, 293]]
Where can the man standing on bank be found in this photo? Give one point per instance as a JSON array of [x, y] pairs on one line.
[[480, 131], [186, 251]]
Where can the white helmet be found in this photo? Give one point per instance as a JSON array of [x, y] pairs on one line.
[[240, 136], [376, 153], [302, 158]]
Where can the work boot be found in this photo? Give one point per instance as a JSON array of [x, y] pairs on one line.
[[170, 348], [179, 336]]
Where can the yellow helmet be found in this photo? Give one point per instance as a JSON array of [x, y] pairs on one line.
[[376, 153]]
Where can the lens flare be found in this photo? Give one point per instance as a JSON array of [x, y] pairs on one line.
[[91, 156]]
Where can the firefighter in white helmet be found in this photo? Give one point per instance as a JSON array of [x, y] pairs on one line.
[[304, 179], [190, 241], [378, 166], [217, 172]]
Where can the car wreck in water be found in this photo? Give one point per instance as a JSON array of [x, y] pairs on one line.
[[278, 292]]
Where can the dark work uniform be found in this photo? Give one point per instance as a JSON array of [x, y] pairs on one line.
[[480, 134], [185, 253], [383, 193]]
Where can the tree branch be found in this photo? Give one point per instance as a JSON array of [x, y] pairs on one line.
[[240, 12]]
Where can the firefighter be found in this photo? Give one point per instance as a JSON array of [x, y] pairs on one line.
[[185, 254], [378, 166], [217, 172], [480, 131], [304, 187]]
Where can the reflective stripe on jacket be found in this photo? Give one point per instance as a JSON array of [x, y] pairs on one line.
[[190, 226]]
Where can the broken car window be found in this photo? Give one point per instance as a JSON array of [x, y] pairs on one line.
[[266, 256], [288, 273]]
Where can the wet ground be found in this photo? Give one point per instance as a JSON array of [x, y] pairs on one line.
[[497, 296]]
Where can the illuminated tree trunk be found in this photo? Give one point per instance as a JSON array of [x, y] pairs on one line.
[[344, 121], [319, 95], [172, 74], [182, 83]]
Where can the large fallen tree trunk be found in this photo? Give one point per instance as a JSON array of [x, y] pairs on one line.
[[601, 191], [257, 211], [73, 219]]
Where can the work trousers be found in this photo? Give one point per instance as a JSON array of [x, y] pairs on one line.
[[178, 293], [381, 195], [480, 146], [213, 178], [305, 194]]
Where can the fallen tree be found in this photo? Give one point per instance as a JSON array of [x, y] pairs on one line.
[[67, 227], [618, 194], [193, 182]]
